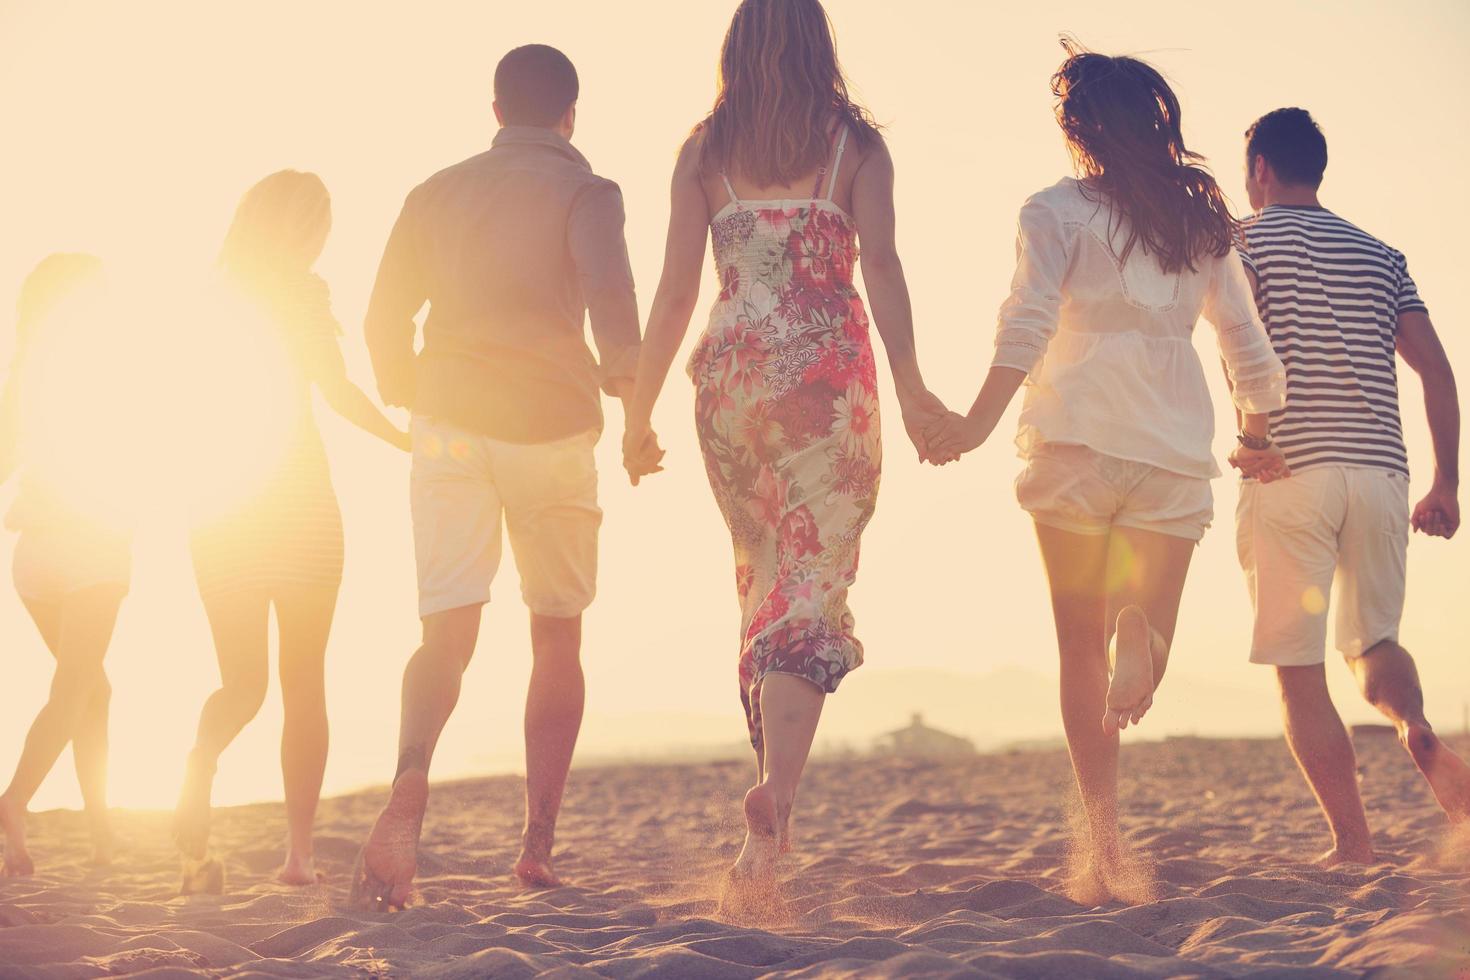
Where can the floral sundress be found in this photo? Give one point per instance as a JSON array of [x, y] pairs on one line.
[[786, 408]]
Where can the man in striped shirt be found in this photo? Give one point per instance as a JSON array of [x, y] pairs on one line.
[[1338, 304]]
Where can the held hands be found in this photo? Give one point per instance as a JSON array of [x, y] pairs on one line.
[[952, 436], [1266, 465], [1438, 514], [641, 453], [923, 412]]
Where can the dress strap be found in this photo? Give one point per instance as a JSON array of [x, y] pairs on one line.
[[836, 162], [729, 188]]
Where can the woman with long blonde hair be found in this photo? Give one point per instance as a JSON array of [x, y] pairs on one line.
[[282, 546], [787, 174]]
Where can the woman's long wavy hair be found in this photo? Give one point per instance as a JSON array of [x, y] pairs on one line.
[[1122, 123], [279, 226], [781, 89]]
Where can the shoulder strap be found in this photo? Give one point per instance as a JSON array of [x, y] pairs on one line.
[[836, 162], [729, 188]]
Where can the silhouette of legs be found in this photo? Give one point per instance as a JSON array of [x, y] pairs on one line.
[[431, 684], [304, 618], [553, 719], [78, 636], [239, 622]]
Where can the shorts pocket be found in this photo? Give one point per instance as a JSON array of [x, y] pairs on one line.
[[1292, 504]]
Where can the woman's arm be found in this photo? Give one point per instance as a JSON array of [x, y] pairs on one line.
[[673, 305], [888, 292], [1027, 322], [353, 404]]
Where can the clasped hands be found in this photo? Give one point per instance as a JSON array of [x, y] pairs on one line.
[[940, 435]]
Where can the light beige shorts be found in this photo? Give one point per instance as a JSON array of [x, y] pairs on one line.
[[465, 485], [1075, 488], [1347, 525]]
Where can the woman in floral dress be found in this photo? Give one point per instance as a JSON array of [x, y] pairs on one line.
[[787, 173]]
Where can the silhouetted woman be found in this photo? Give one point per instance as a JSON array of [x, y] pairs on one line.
[[59, 428], [282, 546], [787, 174], [1113, 271]]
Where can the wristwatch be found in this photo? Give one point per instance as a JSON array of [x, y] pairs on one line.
[[1255, 443]]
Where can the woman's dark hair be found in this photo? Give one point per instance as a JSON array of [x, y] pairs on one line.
[[1292, 143], [535, 84], [1122, 123], [780, 90]]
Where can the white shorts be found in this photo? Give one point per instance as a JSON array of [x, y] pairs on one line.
[[1348, 524], [464, 484], [1078, 489]]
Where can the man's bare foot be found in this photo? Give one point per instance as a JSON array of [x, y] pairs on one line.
[[1447, 774], [191, 816], [1131, 690], [18, 863], [299, 871], [1347, 854], [383, 879]]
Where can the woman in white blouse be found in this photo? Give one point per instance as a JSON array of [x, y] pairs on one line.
[[1113, 270]]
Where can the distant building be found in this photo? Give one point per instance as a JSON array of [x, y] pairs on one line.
[[918, 739]]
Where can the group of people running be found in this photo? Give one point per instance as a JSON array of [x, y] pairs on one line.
[[514, 249]]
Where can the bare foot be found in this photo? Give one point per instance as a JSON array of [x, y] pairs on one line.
[[1447, 773], [383, 879], [205, 876], [533, 867], [1347, 854], [763, 825], [1106, 871], [18, 863], [1131, 690], [191, 816], [536, 872], [104, 845], [750, 892], [299, 871]]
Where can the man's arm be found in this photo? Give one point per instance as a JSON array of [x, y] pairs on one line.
[[595, 236], [1438, 513], [399, 293]]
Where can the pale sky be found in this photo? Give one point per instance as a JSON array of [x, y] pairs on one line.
[[132, 129]]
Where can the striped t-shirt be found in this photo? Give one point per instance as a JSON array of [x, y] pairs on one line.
[[1330, 295]]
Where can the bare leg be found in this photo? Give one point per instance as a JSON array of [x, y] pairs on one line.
[[1148, 570], [239, 623], [1076, 568], [1390, 683], [790, 709], [305, 621], [553, 719], [431, 685], [1324, 752], [86, 625]]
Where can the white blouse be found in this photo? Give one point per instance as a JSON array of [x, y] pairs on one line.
[[1107, 343]]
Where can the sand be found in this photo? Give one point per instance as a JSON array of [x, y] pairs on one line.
[[902, 868]]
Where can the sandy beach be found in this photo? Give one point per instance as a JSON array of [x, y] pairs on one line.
[[902, 868]]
